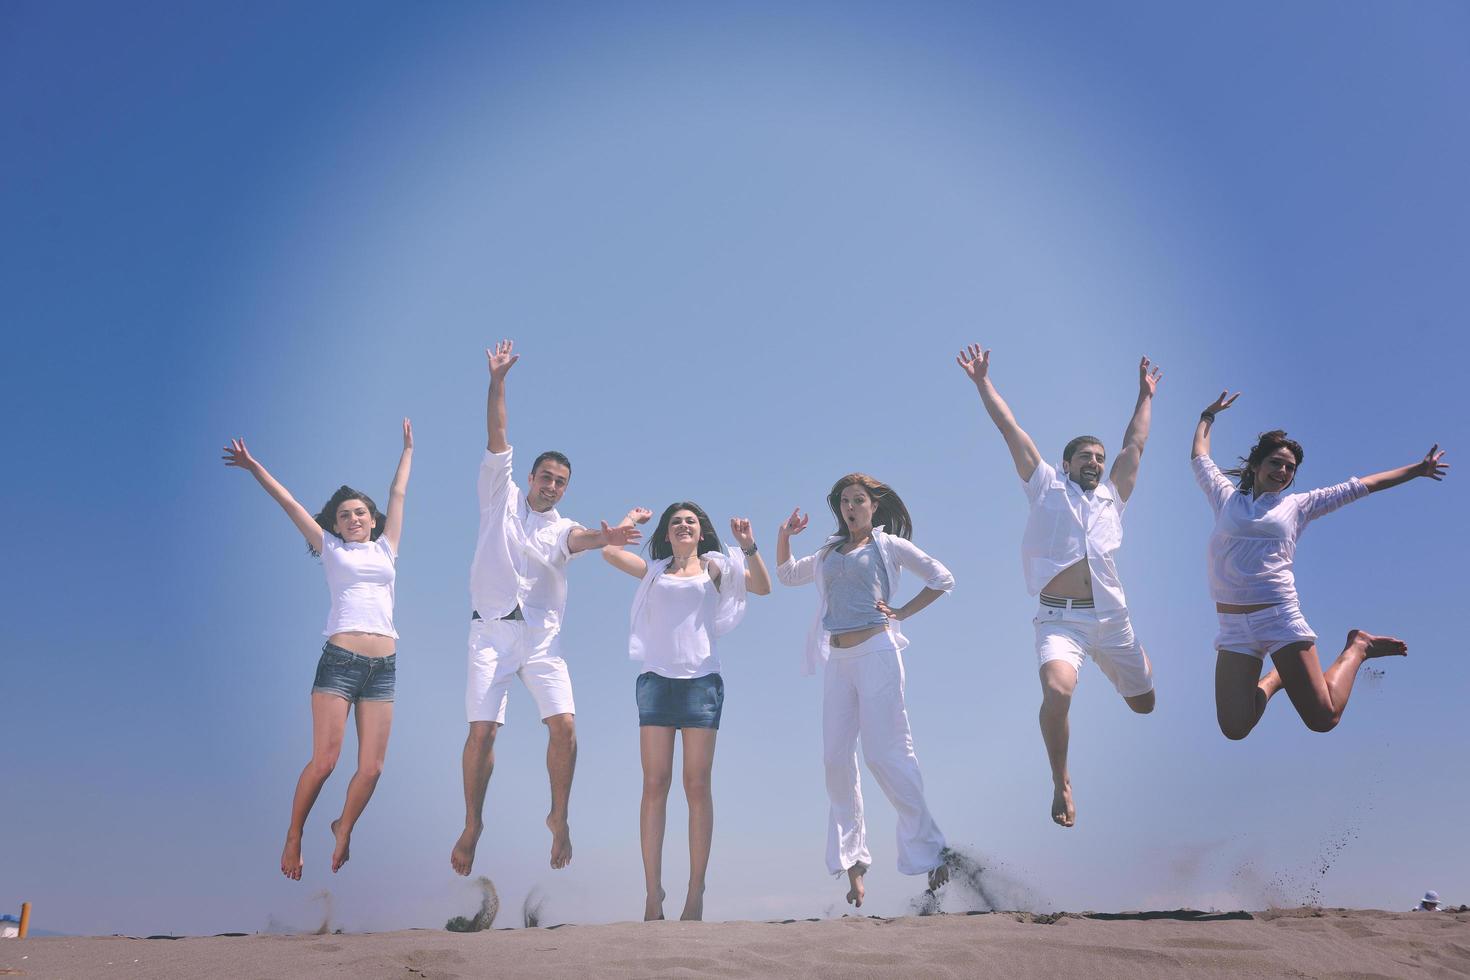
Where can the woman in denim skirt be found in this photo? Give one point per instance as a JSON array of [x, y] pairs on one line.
[[359, 549], [689, 594]]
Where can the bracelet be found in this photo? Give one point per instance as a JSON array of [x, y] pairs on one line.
[[753, 549], [1207, 416]]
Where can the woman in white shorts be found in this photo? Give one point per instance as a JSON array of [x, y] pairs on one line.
[[359, 551], [689, 595], [856, 637], [1251, 550]]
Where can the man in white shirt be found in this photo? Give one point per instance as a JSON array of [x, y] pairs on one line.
[[1073, 529], [519, 589]]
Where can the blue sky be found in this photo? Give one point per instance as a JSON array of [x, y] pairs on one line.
[[738, 249]]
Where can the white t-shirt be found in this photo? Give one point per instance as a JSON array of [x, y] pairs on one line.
[[360, 578]]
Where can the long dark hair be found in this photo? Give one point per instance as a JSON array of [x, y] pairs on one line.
[[890, 512], [1266, 444], [659, 545], [326, 518]]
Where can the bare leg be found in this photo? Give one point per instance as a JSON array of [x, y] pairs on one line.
[[328, 722], [561, 762], [656, 750], [1058, 681], [1241, 693], [1321, 698], [855, 888], [478, 764], [699, 762], [374, 722]]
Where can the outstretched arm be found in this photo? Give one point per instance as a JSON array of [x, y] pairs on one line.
[[975, 362], [1201, 444], [757, 578], [237, 455], [585, 539], [628, 561], [1431, 466], [500, 361], [393, 524], [1124, 473]]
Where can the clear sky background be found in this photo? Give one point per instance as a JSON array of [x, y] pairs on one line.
[[738, 248]]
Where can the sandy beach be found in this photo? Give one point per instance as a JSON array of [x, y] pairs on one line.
[[1326, 943]]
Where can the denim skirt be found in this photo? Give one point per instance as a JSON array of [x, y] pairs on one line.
[[676, 702]]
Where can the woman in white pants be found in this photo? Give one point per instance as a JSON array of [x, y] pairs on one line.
[[1252, 547], [690, 594], [857, 637]]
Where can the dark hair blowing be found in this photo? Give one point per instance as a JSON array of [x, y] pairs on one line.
[[1266, 444], [890, 511], [551, 455], [326, 518], [1077, 444], [659, 545]]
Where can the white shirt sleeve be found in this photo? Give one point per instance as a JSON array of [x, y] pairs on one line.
[[797, 571], [564, 552], [1324, 500], [1216, 485], [913, 558], [494, 482], [1041, 478]]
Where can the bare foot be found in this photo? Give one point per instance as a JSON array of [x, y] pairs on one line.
[[693, 906], [1062, 810], [855, 889], [462, 858], [291, 857], [653, 908], [561, 841], [339, 853], [938, 877], [1377, 646]]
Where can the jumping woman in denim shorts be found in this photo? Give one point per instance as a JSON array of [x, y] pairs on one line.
[[689, 595], [857, 641], [359, 548], [1251, 551]]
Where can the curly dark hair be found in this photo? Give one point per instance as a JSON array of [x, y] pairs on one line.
[[658, 544], [890, 512], [326, 518], [1266, 444]]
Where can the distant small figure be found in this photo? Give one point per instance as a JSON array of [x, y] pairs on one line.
[[1430, 903]]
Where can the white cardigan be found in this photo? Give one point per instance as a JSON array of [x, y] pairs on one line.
[[728, 615], [897, 553]]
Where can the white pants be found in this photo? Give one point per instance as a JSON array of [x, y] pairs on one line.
[[862, 695]]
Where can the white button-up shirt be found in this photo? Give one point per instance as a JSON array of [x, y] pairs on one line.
[[521, 555], [898, 553], [1066, 526], [1254, 540]]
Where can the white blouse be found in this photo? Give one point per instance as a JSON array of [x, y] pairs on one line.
[[360, 577], [676, 622], [1254, 541]]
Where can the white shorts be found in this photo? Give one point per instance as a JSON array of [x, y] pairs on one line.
[[1263, 632], [1073, 635], [501, 649]]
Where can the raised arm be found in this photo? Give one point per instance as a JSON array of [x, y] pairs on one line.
[[237, 455], [1201, 444], [628, 561], [393, 524], [500, 361], [1431, 466], [1124, 473], [757, 578], [793, 525], [975, 362]]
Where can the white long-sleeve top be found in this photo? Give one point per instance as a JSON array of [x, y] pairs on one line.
[[1253, 544], [682, 642], [898, 553], [521, 555], [1065, 526]]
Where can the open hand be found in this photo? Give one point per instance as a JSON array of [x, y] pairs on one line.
[[639, 515], [237, 455], [621, 535], [1148, 382], [975, 362], [500, 359], [1432, 465], [794, 524], [740, 528], [407, 434], [1220, 404]]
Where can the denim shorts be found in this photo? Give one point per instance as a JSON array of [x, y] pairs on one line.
[[353, 677], [676, 702]]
